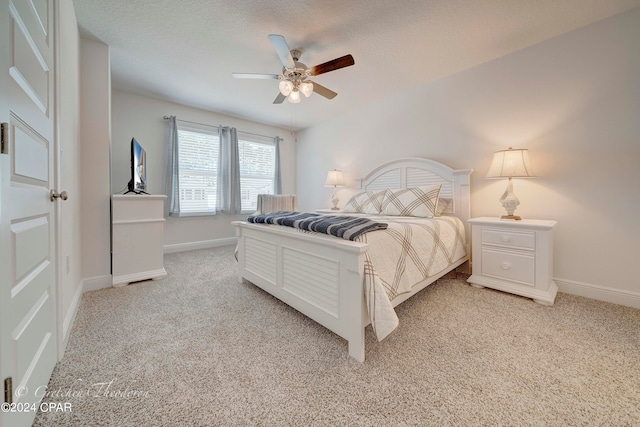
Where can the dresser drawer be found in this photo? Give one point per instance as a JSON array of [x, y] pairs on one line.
[[509, 238], [509, 266]]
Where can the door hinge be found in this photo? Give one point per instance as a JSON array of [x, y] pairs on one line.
[[8, 390], [4, 138]]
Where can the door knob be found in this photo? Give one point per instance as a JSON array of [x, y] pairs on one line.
[[53, 195]]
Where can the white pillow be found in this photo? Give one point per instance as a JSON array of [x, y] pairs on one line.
[[366, 202], [416, 201], [443, 204]]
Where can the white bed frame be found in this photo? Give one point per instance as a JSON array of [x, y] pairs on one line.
[[322, 276]]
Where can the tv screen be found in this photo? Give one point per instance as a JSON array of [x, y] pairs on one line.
[[138, 182]]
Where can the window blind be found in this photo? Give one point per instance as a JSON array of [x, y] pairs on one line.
[[198, 153], [257, 170]]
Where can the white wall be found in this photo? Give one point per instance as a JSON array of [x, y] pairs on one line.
[[95, 134], [573, 101], [69, 145], [141, 117]]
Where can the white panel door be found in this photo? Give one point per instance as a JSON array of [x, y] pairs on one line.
[[27, 240]]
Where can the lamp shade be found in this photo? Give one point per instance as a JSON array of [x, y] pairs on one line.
[[335, 179], [511, 164], [294, 97], [306, 88], [285, 87]]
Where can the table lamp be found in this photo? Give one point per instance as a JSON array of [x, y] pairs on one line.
[[510, 164], [335, 179]]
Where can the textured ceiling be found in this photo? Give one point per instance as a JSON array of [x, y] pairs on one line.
[[186, 50]]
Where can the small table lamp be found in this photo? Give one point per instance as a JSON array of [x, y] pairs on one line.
[[510, 164], [335, 179]]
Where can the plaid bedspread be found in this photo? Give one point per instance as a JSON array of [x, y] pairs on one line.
[[407, 252], [401, 254], [345, 227]]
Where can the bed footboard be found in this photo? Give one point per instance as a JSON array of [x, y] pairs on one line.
[[320, 276]]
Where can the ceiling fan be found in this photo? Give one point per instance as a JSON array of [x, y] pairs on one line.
[[295, 75]]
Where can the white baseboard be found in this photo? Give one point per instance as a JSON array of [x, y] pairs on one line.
[[70, 315], [203, 244], [616, 296], [97, 282]]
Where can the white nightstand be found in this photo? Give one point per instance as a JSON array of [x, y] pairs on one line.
[[514, 256], [329, 211]]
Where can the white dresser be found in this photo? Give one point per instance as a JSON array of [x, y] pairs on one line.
[[514, 256], [137, 238]]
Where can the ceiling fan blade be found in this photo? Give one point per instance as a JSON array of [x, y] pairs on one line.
[[279, 99], [335, 64], [323, 91], [282, 49], [255, 76]]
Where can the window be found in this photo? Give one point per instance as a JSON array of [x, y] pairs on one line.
[[216, 170], [257, 169], [198, 152]]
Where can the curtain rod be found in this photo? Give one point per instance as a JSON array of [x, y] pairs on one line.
[[241, 131]]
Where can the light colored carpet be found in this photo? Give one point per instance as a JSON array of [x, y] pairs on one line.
[[200, 349]]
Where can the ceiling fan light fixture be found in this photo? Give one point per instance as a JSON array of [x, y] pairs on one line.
[[294, 97], [285, 87], [306, 88], [294, 74]]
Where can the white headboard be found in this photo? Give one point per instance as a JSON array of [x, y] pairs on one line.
[[415, 172]]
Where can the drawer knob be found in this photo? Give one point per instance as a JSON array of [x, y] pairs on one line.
[[506, 238], [506, 265]]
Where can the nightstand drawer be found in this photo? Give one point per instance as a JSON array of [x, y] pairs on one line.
[[508, 238], [509, 266]]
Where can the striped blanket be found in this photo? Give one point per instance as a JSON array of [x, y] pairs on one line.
[[345, 227]]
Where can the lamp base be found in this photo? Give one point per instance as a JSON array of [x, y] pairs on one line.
[[513, 217], [510, 202], [335, 199]]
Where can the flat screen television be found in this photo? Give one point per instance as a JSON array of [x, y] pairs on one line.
[[138, 182]]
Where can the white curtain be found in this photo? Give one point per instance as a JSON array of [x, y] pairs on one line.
[[172, 206], [229, 201]]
